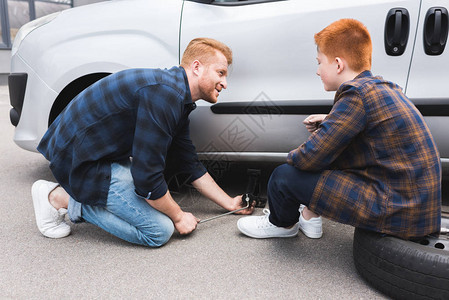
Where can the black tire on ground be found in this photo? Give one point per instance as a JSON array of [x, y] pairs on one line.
[[403, 269]]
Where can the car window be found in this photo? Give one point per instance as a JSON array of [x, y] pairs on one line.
[[15, 13], [3, 32], [233, 2], [18, 15]]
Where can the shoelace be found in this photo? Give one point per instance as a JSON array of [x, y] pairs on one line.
[[262, 221]]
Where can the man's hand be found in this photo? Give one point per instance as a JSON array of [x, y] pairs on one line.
[[237, 203], [312, 122], [207, 186], [185, 223]]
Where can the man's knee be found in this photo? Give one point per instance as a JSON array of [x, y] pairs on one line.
[[167, 232], [159, 235]]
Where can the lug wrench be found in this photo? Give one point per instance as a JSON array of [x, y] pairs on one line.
[[244, 198], [251, 196]]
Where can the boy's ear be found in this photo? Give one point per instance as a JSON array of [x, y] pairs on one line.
[[340, 64]]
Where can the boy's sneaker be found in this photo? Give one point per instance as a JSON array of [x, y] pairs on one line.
[[49, 220], [261, 228], [312, 228]]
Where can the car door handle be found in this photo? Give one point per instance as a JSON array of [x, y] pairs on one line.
[[435, 30], [397, 27]]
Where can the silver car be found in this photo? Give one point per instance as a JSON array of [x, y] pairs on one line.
[[272, 85]]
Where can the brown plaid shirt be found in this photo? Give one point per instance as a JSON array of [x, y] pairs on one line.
[[380, 165]]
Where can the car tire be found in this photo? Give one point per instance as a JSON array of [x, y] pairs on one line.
[[403, 269]]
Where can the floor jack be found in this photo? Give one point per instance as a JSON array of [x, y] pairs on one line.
[[250, 197]]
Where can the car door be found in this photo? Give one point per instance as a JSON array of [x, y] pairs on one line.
[[273, 84], [429, 72]]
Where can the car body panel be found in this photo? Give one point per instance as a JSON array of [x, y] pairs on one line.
[[273, 45], [274, 65], [91, 39], [33, 122], [428, 73], [275, 60], [428, 80]]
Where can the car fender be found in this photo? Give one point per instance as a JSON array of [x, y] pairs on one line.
[[88, 39]]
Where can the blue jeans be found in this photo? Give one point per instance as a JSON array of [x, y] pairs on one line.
[[287, 189], [127, 215]]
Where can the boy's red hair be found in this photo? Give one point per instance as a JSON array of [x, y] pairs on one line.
[[348, 39]]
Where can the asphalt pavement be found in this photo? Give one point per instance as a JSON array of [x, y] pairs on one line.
[[214, 262]]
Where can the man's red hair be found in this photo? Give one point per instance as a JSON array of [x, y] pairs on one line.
[[204, 50]]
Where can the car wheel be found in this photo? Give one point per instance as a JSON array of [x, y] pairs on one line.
[[404, 269]]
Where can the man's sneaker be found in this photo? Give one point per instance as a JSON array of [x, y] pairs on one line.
[[49, 220], [261, 228], [312, 228]]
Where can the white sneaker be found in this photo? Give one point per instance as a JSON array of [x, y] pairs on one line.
[[49, 220], [312, 228], [261, 228]]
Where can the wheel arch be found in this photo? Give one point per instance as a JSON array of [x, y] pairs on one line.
[[71, 91]]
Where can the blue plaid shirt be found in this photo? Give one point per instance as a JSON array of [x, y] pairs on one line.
[[138, 113]]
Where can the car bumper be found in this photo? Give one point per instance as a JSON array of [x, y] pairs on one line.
[[31, 100]]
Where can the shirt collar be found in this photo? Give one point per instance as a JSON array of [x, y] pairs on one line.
[[366, 73]]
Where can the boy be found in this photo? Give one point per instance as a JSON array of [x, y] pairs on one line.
[[371, 162]]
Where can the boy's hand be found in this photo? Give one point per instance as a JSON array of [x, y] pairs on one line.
[[312, 122]]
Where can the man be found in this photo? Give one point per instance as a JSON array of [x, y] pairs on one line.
[[138, 113], [371, 163]]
